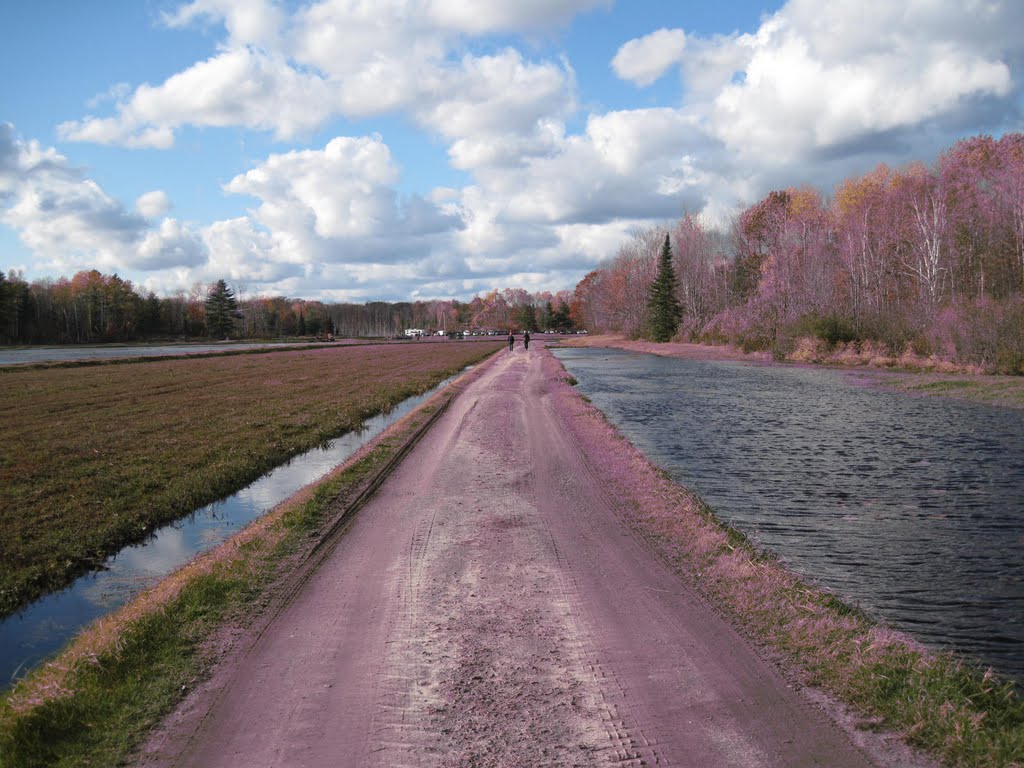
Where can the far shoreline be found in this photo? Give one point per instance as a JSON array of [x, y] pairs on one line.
[[893, 374]]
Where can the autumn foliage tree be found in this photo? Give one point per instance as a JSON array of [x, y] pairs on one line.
[[93, 307], [703, 273], [662, 303], [923, 260]]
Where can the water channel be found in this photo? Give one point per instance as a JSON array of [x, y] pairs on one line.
[[910, 507], [43, 627]]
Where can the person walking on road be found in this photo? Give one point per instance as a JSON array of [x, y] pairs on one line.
[[526, 340], [511, 341]]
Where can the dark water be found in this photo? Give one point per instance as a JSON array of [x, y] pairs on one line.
[[47, 624], [911, 507]]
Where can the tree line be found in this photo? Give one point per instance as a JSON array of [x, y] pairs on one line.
[[921, 259], [91, 307]]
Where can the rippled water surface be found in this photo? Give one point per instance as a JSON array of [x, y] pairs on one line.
[[911, 507]]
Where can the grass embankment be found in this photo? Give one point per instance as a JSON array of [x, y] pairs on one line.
[[96, 701], [1006, 391], [940, 704], [93, 458]]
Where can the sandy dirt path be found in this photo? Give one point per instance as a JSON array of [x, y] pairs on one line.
[[489, 608]]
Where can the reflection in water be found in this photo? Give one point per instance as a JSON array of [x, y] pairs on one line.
[[46, 625], [911, 507]]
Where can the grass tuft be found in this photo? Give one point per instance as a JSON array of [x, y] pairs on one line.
[[112, 698]]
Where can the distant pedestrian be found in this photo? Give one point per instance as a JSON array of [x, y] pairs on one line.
[[526, 341], [511, 341]]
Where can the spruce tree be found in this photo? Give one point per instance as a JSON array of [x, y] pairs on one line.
[[528, 317], [221, 307], [561, 320], [664, 307], [6, 293]]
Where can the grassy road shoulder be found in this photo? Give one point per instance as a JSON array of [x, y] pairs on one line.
[[96, 701]]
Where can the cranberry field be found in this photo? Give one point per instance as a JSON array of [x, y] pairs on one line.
[[93, 458]]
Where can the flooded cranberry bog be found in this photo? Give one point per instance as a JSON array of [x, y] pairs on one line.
[[95, 458], [908, 507]]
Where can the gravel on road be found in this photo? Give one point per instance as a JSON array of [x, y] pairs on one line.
[[490, 607]]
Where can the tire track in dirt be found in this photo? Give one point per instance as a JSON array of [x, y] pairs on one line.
[[496, 666], [488, 608]]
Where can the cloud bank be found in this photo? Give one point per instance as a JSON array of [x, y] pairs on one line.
[[817, 91]]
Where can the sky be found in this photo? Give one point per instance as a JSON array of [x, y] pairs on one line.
[[359, 150]]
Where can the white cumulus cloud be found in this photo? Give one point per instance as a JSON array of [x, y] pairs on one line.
[[501, 110], [239, 87], [339, 203], [342, 190], [57, 212], [817, 76], [252, 22], [172, 245], [290, 74], [70, 223], [503, 16], [153, 204], [645, 59]]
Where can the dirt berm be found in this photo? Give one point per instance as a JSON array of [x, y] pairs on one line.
[[489, 607]]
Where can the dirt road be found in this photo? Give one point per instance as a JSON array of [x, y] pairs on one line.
[[489, 608]]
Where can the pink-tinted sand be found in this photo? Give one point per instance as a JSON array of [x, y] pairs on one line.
[[499, 603]]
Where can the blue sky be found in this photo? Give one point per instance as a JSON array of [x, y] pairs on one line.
[[414, 149]]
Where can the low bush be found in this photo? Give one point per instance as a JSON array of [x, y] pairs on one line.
[[985, 333], [831, 329]]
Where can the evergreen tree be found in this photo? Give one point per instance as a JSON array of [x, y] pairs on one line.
[[665, 310], [528, 317], [561, 320], [221, 308], [546, 320], [6, 294], [149, 314]]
